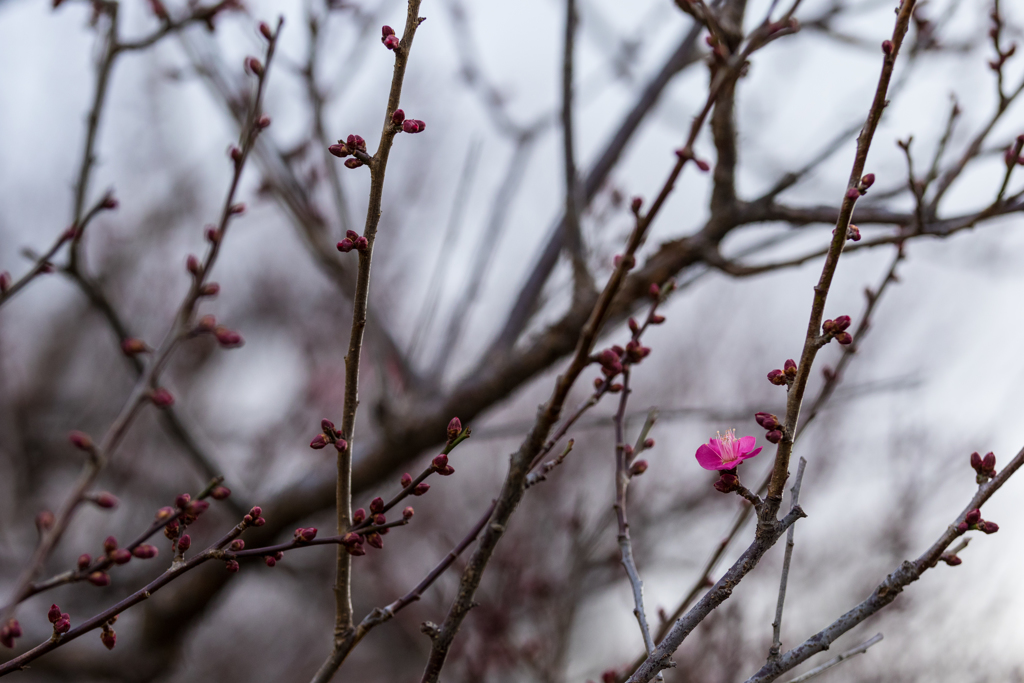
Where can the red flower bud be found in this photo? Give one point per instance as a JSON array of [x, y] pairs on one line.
[[270, 561], [988, 464], [84, 560], [351, 539], [220, 493], [454, 428], [727, 483], [341, 445], [100, 579], [80, 440], [346, 245], [197, 507], [305, 535], [421, 488], [318, 442], [702, 165], [774, 436], [887, 47], [636, 203], [252, 64], [962, 527], [109, 544], [63, 625], [256, 512], [976, 461], [439, 462], [413, 126], [868, 180], [408, 512], [339, 150], [391, 42], [951, 560], [359, 516], [638, 468], [132, 346], [109, 202], [777, 377], [398, 117], [182, 501], [263, 122], [852, 193], [841, 323], [355, 550], [164, 513], [380, 520], [988, 527], [973, 517], [377, 505], [146, 552], [265, 30], [231, 566], [108, 638], [229, 339], [237, 209], [648, 443], [44, 521], [161, 398], [53, 614], [844, 338], [375, 540], [209, 289], [789, 368], [326, 425], [386, 31], [121, 556], [654, 291], [184, 543]]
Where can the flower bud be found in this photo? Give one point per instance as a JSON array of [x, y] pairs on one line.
[[105, 500], [638, 468], [727, 483], [252, 64], [380, 520], [108, 638], [454, 429], [988, 464], [265, 31], [887, 47], [231, 566], [648, 443], [976, 462], [421, 488], [164, 513], [161, 398], [359, 516], [702, 165], [654, 291], [973, 517], [182, 501], [99, 578], [305, 535], [635, 204], [988, 527], [386, 31], [44, 521], [339, 150], [341, 445], [263, 122], [841, 323], [269, 560], [355, 550], [962, 527], [351, 539], [413, 126], [146, 552], [53, 614], [867, 180], [398, 117], [777, 377], [774, 436], [84, 560], [197, 507], [375, 540], [439, 462], [256, 512], [192, 264], [184, 543], [408, 512], [63, 625], [132, 346], [172, 529], [237, 209], [346, 245], [391, 42], [220, 493], [852, 193], [844, 338], [352, 163], [789, 368], [236, 545], [318, 442], [228, 339], [121, 556], [951, 560], [377, 505], [80, 440], [209, 289], [109, 544]]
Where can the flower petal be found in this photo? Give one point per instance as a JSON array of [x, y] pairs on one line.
[[709, 459], [751, 454], [747, 444]]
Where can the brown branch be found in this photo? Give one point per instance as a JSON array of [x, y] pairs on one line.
[[773, 652], [99, 454], [378, 166], [889, 589]]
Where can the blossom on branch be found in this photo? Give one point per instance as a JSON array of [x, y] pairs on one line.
[[726, 451]]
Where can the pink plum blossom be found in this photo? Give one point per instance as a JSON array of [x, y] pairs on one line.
[[726, 451]]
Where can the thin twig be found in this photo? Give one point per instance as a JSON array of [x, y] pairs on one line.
[[859, 650], [776, 647]]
